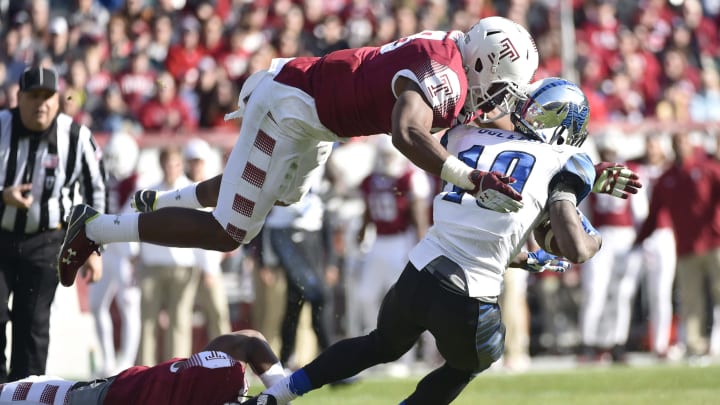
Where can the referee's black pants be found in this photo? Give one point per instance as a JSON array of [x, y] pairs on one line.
[[28, 264]]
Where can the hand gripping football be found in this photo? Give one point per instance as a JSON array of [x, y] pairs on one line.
[[545, 237]]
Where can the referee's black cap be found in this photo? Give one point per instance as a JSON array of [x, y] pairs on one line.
[[39, 78]]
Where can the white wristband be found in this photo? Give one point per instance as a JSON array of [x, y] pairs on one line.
[[275, 373], [183, 197], [456, 172], [562, 192]]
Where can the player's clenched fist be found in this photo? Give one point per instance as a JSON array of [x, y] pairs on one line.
[[493, 191], [615, 179]]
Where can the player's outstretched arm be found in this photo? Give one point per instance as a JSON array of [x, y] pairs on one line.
[[251, 347], [412, 119], [615, 179]]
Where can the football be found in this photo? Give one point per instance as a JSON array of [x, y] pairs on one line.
[[545, 237]]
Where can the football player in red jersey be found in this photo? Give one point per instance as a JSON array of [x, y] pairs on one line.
[[214, 376], [295, 110]]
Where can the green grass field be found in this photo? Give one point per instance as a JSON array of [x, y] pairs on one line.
[[656, 385]]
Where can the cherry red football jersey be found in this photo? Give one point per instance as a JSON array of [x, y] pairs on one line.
[[206, 378], [353, 88], [388, 201]]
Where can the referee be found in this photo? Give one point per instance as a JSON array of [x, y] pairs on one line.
[[46, 161]]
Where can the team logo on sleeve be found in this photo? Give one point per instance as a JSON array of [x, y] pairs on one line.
[[442, 86]]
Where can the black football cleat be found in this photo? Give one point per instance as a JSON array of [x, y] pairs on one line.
[[76, 246], [262, 399]]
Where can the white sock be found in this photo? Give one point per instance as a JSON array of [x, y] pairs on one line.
[[275, 373], [113, 228], [185, 197], [281, 391]]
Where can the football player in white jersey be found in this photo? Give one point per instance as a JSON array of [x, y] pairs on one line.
[[454, 276]]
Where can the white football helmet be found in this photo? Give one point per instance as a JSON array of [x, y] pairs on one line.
[[120, 155], [500, 58], [555, 111]]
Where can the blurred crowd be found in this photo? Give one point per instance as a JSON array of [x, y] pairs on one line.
[[149, 67], [163, 65]]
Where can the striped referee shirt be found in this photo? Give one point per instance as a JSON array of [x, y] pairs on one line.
[[63, 164]]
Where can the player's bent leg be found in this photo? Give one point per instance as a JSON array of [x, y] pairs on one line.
[[183, 227]]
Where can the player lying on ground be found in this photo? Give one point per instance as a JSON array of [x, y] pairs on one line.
[[455, 273], [214, 376]]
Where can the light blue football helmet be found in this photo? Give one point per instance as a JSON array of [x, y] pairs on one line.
[[556, 111]]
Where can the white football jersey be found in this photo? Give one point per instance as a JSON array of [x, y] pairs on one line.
[[481, 241]]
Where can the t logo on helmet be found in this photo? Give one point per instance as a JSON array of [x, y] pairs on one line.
[[508, 50]]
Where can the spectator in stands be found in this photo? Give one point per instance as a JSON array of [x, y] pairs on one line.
[[10, 91], [329, 36], [133, 9], [213, 39], [99, 78], [137, 82], [676, 68], [187, 52], [690, 191], [642, 67], [140, 35], [119, 44], [71, 103], [40, 17], [702, 29], [597, 32], [58, 46], [624, 102], [26, 45], [705, 104], [9, 54], [252, 21], [90, 14], [406, 19], [76, 82], [385, 31], [112, 115], [235, 60], [166, 111], [315, 13], [162, 36]]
